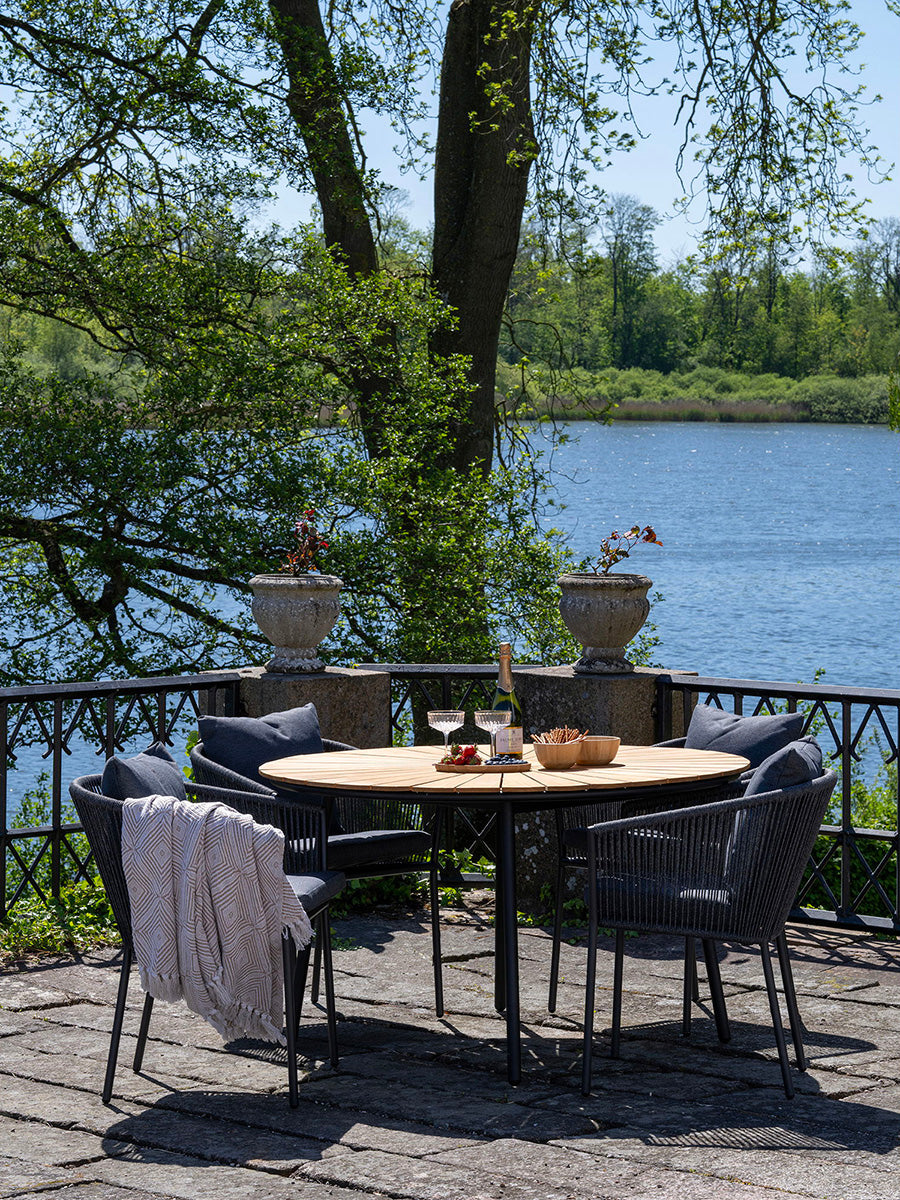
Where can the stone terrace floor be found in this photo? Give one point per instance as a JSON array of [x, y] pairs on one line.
[[420, 1107]]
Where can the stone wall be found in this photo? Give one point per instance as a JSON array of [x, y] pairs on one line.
[[353, 706], [623, 706]]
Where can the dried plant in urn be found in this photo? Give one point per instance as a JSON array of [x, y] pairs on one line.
[[603, 609], [296, 608]]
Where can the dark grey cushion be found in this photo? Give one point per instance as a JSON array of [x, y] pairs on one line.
[[243, 744], [317, 889], [349, 850], [153, 772], [755, 738], [798, 762], [623, 898]]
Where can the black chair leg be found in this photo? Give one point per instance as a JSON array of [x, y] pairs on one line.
[[289, 962], [590, 987], [116, 1034], [301, 971], [557, 938], [317, 971], [690, 976], [776, 1021], [618, 971], [790, 995], [328, 970], [142, 1033], [435, 901], [717, 995]]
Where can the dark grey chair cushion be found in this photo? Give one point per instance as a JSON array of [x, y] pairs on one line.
[[797, 762], [349, 850], [755, 738], [153, 772], [243, 744], [316, 890]]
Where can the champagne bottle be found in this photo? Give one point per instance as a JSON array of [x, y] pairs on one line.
[[508, 740]]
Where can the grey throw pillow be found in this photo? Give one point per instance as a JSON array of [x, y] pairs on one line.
[[798, 762], [243, 744], [153, 772], [755, 738]]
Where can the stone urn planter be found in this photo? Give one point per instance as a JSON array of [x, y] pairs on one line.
[[603, 612], [296, 612]]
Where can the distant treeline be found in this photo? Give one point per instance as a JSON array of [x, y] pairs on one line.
[[600, 327], [730, 337]]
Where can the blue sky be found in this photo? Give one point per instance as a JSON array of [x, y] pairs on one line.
[[648, 171]]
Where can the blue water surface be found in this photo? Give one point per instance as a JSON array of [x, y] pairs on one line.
[[781, 542]]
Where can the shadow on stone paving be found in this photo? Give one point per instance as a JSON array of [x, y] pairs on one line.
[[209, 1128]]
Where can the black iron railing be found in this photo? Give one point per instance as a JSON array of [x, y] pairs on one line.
[[51, 733], [418, 687], [853, 878]]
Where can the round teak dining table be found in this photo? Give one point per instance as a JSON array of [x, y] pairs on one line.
[[660, 774]]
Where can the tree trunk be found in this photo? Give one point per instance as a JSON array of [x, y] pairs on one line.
[[484, 152], [316, 104]]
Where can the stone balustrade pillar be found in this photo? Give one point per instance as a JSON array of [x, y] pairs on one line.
[[621, 705], [354, 706]]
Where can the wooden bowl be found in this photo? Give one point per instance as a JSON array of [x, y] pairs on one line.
[[557, 756], [597, 751]]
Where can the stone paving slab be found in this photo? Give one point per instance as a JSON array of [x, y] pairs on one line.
[[420, 1108]]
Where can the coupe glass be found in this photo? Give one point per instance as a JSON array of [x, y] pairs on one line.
[[445, 721], [490, 720]]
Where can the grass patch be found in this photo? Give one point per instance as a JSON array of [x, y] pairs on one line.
[[80, 920]]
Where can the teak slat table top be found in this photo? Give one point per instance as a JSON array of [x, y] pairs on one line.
[[408, 772], [411, 769]]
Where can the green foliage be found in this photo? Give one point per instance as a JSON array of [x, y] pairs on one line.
[[873, 807], [583, 308], [34, 811], [462, 861], [716, 394], [130, 520], [389, 891], [80, 920]]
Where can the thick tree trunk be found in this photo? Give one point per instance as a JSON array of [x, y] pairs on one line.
[[484, 151], [485, 146], [316, 104]]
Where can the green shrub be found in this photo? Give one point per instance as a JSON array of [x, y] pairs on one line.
[[831, 398], [872, 807], [79, 920]]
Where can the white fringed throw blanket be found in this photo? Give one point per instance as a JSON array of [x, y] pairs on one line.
[[209, 900]]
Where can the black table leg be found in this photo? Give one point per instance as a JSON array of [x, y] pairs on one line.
[[510, 940], [499, 932]]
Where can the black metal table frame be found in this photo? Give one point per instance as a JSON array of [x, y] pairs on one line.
[[507, 806]]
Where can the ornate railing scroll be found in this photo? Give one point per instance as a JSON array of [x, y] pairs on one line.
[[853, 875], [51, 733]]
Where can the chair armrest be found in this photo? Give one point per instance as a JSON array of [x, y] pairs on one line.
[[672, 742], [301, 821], [207, 771]]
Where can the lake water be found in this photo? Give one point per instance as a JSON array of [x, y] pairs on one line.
[[781, 543]]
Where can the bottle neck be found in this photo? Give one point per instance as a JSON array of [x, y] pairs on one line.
[[504, 677]]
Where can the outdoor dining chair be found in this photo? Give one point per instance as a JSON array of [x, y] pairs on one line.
[[369, 836], [727, 871], [754, 738], [101, 817]]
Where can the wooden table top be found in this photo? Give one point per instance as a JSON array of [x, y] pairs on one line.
[[411, 769]]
